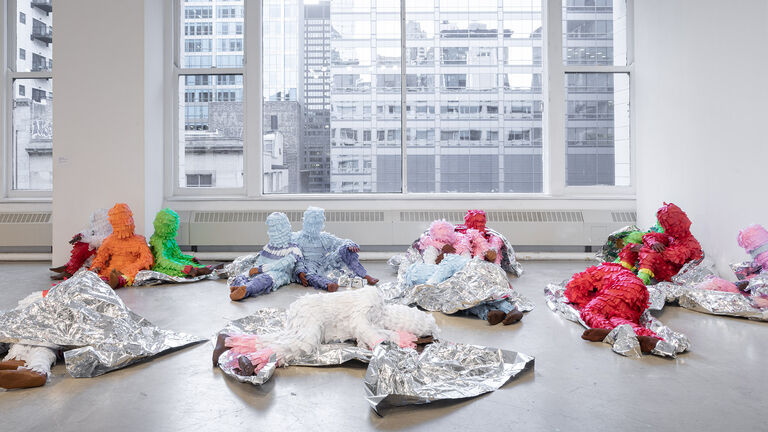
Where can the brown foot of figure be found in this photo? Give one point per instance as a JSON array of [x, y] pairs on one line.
[[114, 279], [238, 293], [333, 287], [647, 343], [11, 364], [59, 269], [512, 317], [246, 367], [220, 347], [21, 378], [371, 280], [61, 276], [422, 342], [495, 316], [595, 334], [202, 271]]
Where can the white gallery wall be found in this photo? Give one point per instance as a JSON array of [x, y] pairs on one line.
[[701, 106], [108, 113]]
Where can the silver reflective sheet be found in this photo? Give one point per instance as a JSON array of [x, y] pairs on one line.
[[97, 331], [621, 337], [270, 320], [150, 277], [743, 269], [683, 290], [478, 282], [240, 265], [609, 252], [400, 376]]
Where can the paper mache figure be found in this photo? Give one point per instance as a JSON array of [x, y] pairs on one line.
[[168, 256], [275, 263], [607, 296], [27, 366], [484, 244], [123, 253], [314, 319], [324, 253], [84, 245], [662, 255]]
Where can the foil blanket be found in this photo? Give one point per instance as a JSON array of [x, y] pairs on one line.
[[508, 260], [242, 264], [399, 377], [98, 333], [270, 320], [610, 250], [478, 282], [622, 339], [683, 291], [149, 278]]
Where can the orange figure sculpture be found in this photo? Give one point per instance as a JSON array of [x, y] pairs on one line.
[[123, 253]]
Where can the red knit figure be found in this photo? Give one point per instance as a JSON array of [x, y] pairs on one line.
[[609, 295], [662, 255], [81, 251]]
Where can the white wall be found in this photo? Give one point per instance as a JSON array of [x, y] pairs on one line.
[[105, 132], [701, 106]]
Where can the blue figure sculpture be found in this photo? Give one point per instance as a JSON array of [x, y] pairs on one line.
[[323, 253], [275, 263]]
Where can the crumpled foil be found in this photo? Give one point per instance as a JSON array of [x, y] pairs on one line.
[[743, 269], [150, 277], [683, 291], [622, 338], [508, 260], [270, 320], [398, 376], [478, 282], [93, 326], [609, 251]]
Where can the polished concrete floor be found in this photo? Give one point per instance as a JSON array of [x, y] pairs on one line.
[[575, 385]]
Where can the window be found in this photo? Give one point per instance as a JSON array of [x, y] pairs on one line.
[[209, 143], [30, 132], [344, 95]]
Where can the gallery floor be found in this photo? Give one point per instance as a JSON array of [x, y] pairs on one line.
[[575, 385]]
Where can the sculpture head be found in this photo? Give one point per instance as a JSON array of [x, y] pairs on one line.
[[121, 219], [674, 220], [314, 220], [278, 229], [166, 223], [475, 219], [442, 231], [99, 229], [754, 240]]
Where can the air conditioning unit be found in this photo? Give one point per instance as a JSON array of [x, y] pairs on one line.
[[384, 229], [25, 230]]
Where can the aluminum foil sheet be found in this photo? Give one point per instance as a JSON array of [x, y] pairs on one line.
[[622, 338], [149, 278], [398, 376], [683, 291], [93, 326], [609, 251], [240, 265], [270, 320], [743, 269]]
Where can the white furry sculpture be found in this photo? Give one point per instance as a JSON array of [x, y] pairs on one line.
[[315, 319]]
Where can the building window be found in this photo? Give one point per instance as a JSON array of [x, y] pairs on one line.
[[31, 119], [460, 89]]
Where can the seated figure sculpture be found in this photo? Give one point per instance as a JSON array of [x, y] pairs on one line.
[[324, 253], [123, 253], [275, 263], [84, 245], [168, 256]]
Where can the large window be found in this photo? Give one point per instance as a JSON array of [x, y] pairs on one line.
[[209, 73], [415, 96], [31, 97]]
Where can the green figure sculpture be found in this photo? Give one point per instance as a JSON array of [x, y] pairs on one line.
[[168, 257]]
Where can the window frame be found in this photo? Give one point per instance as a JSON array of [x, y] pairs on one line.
[[8, 64], [553, 120]]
